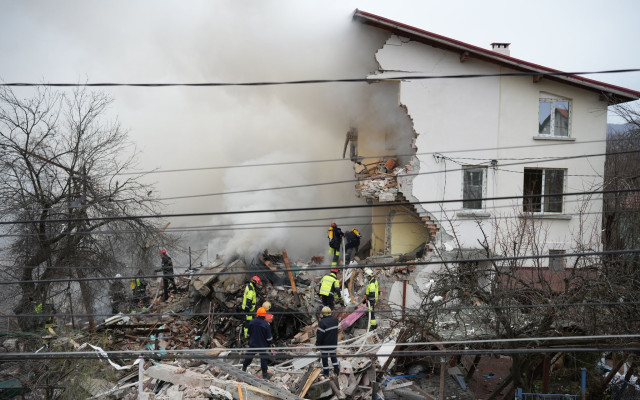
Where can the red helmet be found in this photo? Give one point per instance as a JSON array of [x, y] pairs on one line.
[[334, 270], [334, 225], [256, 279], [163, 251]]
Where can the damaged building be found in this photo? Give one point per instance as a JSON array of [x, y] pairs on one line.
[[439, 186], [469, 140]]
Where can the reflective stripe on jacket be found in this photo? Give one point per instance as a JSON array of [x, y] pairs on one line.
[[327, 334], [330, 284], [372, 289]]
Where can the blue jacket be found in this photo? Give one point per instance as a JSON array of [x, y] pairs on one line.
[[259, 333], [327, 334]]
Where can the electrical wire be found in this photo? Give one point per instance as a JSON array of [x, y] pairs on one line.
[[396, 309], [538, 145], [319, 81], [281, 224], [305, 209], [343, 267]]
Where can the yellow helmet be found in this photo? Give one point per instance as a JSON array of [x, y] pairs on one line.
[[326, 311], [266, 305]]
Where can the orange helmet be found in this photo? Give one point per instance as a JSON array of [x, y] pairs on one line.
[[261, 312], [256, 279]]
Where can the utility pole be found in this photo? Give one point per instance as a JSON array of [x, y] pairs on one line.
[[443, 367]]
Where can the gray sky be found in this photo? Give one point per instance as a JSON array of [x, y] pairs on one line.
[[205, 41]]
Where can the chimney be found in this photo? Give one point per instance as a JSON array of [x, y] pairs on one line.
[[502, 48]]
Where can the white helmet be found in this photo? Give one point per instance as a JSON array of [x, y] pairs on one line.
[[368, 272], [118, 276]]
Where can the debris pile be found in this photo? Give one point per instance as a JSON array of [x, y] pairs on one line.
[[194, 346], [378, 180]]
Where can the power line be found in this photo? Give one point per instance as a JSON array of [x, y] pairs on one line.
[[395, 309], [573, 144], [345, 267], [227, 353], [319, 81], [305, 209]]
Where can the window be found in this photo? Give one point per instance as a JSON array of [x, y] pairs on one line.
[[473, 184], [545, 188], [556, 263], [553, 115]]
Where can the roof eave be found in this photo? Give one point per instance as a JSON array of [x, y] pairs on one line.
[[611, 93]]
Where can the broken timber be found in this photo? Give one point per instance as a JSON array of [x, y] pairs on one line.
[[260, 383], [293, 282]]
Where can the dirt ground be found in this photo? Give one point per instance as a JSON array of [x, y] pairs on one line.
[[490, 373]]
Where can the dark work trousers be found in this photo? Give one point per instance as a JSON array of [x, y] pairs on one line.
[[325, 354], [327, 301], [251, 355], [336, 255], [165, 286], [372, 306], [350, 252]]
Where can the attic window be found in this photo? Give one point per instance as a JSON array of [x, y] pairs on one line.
[[553, 115]]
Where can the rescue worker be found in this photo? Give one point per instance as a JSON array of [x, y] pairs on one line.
[[335, 240], [117, 295], [353, 243], [139, 289], [167, 272], [250, 301], [259, 338], [330, 289], [327, 341], [267, 306], [371, 296]]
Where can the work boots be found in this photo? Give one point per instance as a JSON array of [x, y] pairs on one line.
[[266, 375]]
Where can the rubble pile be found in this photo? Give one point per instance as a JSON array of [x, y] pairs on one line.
[[378, 181], [205, 315]]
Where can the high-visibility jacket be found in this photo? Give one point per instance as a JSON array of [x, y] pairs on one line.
[[135, 283], [249, 300], [330, 284], [372, 289]]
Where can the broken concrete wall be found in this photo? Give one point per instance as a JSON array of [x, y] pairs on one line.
[[397, 230]]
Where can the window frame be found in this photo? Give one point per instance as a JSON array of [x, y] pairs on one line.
[[553, 99], [558, 262], [483, 169], [544, 199]]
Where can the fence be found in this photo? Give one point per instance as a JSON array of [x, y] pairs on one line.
[[539, 396]]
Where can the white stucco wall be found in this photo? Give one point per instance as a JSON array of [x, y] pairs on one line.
[[474, 120]]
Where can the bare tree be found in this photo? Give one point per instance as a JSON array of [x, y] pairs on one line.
[[519, 292], [63, 175]]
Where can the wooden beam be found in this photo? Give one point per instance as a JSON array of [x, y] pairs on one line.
[[309, 381], [199, 255], [537, 78], [464, 56], [288, 266]]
